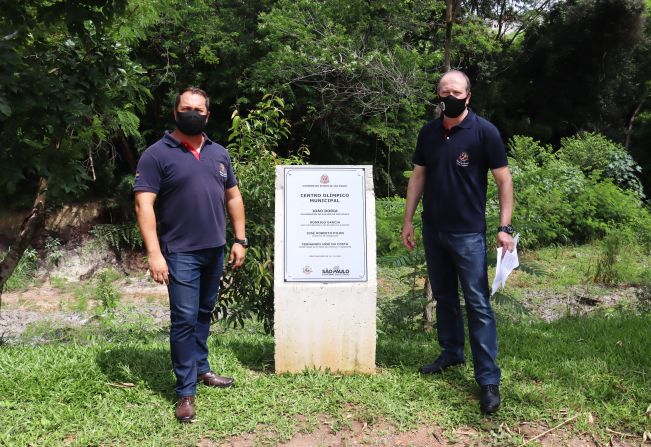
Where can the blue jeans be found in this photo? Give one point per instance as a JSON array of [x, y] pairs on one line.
[[461, 257], [193, 285]]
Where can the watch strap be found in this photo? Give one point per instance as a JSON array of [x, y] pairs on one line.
[[243, 242]]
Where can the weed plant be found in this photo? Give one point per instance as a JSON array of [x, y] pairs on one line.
[[105, 290], [118, 237], [53, 251]]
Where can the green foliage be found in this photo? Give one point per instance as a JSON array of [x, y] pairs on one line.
[[66, 77], [25, 271], [594, 153], [358, 85], [105, 290], [565, 196], [118, 236], [389, 214], [53, 252], [248, 291], [595, 41]]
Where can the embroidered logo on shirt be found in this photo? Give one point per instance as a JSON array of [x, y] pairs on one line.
[[463, 159], [222, 170]]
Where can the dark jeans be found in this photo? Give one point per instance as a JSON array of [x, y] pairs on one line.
[[193, 285], [454, 258]]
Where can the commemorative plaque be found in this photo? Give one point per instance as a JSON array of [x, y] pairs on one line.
[[325, 275], [325, 225]]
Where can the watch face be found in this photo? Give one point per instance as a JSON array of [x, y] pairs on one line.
[[506, 229]]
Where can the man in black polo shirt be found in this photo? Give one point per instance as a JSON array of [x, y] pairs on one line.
[[191, 179], [451, 162]]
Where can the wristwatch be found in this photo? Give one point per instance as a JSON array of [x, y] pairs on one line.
[[243, 242], [508, 229]]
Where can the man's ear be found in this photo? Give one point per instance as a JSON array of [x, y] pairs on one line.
[[468, 98]]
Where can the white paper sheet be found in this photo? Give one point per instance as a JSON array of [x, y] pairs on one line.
[[505, 265]]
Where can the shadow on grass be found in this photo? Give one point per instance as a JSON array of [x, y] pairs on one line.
[[139, 364], [254, 354]]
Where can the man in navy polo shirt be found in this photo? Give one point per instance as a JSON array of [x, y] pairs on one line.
[[191, 180], [453, 156]]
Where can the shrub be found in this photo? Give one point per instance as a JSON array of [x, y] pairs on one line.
[[594, 153], [105, 291], [601, 206], [563, 198], [248, 291]]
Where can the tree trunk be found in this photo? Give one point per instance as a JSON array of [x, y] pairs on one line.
[[126, 150], [629, 128], [448, 33], [430, 308], [30, 228]]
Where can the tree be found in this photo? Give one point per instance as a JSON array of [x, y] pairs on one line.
[[575, 72], [357, 74], [64, 81]]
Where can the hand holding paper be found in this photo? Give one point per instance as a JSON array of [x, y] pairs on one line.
[[505, 265]]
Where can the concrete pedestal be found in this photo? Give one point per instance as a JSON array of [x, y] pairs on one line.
[[325, 325]]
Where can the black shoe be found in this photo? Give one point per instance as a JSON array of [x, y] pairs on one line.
[[489, 399], [438, 366]]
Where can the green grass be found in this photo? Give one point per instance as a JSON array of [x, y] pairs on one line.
[[59, 393]]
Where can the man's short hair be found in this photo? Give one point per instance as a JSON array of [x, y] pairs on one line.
[[194, 91], [438, 86]]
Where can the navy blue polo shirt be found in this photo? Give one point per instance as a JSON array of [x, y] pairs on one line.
[[190, 192], [454, 198]]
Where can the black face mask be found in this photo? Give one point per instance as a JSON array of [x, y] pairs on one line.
[[191, 123], [452, 107]]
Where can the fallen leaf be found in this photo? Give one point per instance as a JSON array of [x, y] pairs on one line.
[[590, 419]]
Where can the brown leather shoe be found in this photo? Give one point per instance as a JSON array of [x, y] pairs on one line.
[[212, 379], [185, 409]]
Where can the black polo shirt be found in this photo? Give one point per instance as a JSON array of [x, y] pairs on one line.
[[454, 199], [190, 193]]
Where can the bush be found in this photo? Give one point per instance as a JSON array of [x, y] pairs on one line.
[[596, 154], [563, 198], [602, 206]]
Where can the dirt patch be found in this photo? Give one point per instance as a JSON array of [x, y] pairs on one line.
[[57, 303], [578, 300], [385, 434]]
